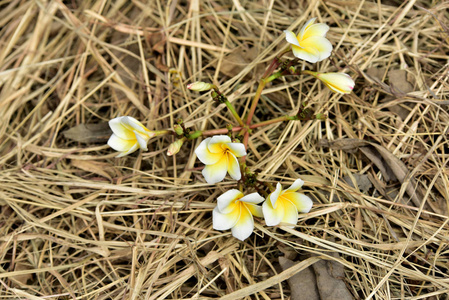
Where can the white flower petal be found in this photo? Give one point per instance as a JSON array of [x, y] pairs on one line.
[[225, 200], [305, 27], [134, 124], [224, 221], [290, 214], [131, 150], [256, 210], [204, 155], [216, 172], [302, 202], [244, 226], [238, 149], [142, 140], [215, 143], [291, 38], [295, 186], [319, 44], [273, 216], [319, 29], [308, 54], [233, 167], [119, 144], [273, 197], [254, 198], [120, 130]]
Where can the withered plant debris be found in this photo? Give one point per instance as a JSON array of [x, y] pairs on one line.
[[78, 223]]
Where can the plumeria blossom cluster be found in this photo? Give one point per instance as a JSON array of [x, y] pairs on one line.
[[224, 154], [312, 46], [234, 210]]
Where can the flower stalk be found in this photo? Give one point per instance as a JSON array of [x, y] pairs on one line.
[[220, 98]]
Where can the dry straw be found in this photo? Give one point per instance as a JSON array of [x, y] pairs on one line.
[[76, 223]]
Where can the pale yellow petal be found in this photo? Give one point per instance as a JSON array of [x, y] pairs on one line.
[[119, 144], [244, 226], [310, 55], [142, 139], [131, 150], [134, 124], [216, 172], [291, 38], [215, 144], [121, 130], [295, 186], [205, 156], [233, 167], [302, 202], [305, 27], [238, 149], [226, 202], [256, 210], [222, 221], [273, 197], [316, 30], [290, 214], [271, 215], [319, 44], [254, 198]]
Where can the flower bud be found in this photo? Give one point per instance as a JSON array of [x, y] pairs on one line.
[[178, 129], [175, 147], [200, 86], [337, 82]]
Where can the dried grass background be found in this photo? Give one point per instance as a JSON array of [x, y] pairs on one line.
[[77, 223]]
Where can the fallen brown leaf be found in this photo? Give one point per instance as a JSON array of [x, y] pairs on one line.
[[89, 133], [303, 284], [330, 275], [391, 167]]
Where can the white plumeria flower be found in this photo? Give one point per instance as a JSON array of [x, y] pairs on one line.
[[128, 135], [219, 155], [337, 82], [236, 211], [310, 44], [284, 205]]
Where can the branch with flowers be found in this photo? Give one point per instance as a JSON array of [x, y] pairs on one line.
[[223, 151]]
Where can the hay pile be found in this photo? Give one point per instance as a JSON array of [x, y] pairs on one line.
[[77, 223]]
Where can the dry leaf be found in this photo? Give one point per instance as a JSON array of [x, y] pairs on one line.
[[348, 145], [391, 167], [377, 160], [401, 80], [329, 275], [289, 252], [400, 171], [157, 41], [401, 83], [23, 278], [375, 74], [89, 133], [303, 284], [361, 180]]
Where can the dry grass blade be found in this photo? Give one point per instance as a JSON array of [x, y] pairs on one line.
[[78, 223]]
